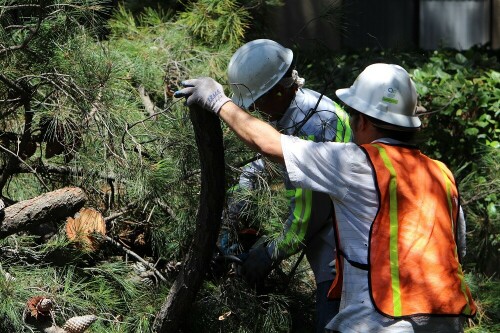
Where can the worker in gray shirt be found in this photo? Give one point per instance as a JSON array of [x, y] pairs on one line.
[[262, 78]]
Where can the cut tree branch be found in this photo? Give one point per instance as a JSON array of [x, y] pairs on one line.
[[51, 206]]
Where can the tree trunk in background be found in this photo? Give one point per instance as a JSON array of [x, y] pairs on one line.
[[211, 151], [48, 207]]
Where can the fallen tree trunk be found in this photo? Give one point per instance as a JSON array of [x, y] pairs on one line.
[[183, 292], [51, 206]]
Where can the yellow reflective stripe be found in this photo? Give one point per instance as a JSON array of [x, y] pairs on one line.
[[301, 214], [448, 195], [233, 188], [343, 133], [393, 232], [460, 274], [301, 217]]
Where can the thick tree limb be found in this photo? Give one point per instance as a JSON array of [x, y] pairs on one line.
[[51, 206], [182, 295]]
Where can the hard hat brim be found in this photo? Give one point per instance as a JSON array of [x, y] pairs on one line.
[[346, 96]]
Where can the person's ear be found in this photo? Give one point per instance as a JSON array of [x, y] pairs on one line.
[[363, 122]]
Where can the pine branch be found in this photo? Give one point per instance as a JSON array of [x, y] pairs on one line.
[[33, 31], [136, 256], [188, 282], [9, 170], [56, 169], [150, 107]]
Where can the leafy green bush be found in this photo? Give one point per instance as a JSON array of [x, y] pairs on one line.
[[461, 92]]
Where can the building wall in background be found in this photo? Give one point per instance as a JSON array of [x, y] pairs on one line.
[[459, 24], [403, 24], [495, 25], [382, 24]]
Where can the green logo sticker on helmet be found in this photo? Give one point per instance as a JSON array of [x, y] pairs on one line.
[[390, 100]]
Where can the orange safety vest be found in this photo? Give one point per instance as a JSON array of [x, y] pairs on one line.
[[414, 267]]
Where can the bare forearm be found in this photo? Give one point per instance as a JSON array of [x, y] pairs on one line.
[[255, 133]]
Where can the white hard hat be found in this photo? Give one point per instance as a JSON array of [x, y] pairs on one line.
[[385, 92], [255, 68]]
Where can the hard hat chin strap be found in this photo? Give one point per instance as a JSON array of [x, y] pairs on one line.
[[289, 81]]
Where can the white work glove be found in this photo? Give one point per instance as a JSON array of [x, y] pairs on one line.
[[205, 92], [333, 268]]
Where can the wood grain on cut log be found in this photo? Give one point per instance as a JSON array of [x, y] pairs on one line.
[[208, 133], [48, 207]]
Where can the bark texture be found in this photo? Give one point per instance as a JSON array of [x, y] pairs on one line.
[[183, 292], [51, 206]]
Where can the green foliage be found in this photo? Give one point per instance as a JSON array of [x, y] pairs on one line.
[[462, 92], [216, 22], [480, 196], [225, 305], [90, 98], [485, 291], [110, 290]]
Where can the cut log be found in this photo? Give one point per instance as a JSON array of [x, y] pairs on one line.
[[52, 206], [183, 292]]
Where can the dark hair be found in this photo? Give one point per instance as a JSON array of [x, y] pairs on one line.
[[394, 132], [388, 130]]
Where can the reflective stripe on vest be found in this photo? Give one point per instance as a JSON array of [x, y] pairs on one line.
[[413, 258], [343, 133]]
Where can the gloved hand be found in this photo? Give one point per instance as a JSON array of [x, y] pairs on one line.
[[205, 92], [333, 267], [257, 266]]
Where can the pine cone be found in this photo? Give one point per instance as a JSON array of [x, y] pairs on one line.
[[79, 324], [45, 305], [39, 305]]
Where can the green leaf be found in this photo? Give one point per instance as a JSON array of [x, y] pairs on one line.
[[492, 210], [460, 58], [472, 131], [494, 144], [442, 74]]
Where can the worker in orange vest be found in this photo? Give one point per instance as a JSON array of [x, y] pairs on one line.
[[400, 227]]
